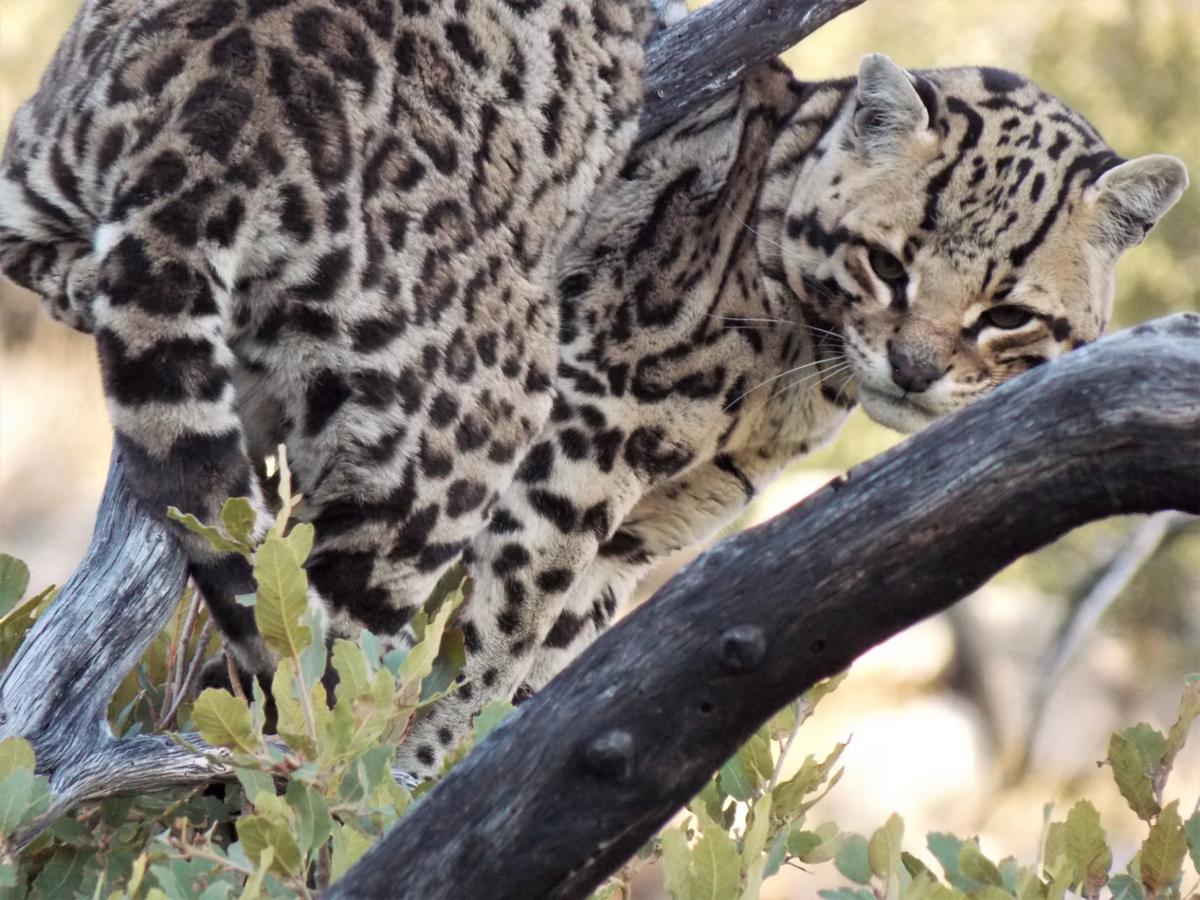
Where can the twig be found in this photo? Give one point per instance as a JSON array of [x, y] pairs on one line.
[[1086, 610]]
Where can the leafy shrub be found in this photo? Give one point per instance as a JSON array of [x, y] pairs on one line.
[[304, 804]]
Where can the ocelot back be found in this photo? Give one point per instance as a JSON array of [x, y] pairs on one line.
[[354, 228]]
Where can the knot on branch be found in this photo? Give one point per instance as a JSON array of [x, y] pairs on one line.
[[609, 756], [742, 648]]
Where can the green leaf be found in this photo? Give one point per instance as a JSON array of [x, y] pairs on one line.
[[301, 539], [776, 853], [1134, 755], [1189, 710], [419, 661], [1124, 887], [14, 579], [735, 782], [16, 792], [354, 677], [817, 846], [224, 720], [946, 849], [253, 887], [977, 867], [259, 833], [450, 661], [290, 721], [753, 845], [782, 723], [852, 859], [493, 713], [756, 759], [314, 659], [915, 867], [282, 597], [348, 846], [925, 886], [846, 894], [1087, 847], [792, 796], [15, 753], [1192, 830], [676, 863], [215, 538], [716, 868], [313, 822], [254, 782], [238, 518], [62, 875], [1163, 850], [883, 850]]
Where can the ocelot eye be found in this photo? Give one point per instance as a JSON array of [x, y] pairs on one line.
[[1007, 317], [889, 269]]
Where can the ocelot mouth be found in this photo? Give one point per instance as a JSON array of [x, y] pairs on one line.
[[898, 413]]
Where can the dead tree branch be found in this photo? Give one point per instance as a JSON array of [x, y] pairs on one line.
[[713, 49], [56, 690], [589, 769]]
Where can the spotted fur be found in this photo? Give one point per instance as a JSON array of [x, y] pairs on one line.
[[351, 227]]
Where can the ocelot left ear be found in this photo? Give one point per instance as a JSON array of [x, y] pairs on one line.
[[889, 111], [1128, 199]]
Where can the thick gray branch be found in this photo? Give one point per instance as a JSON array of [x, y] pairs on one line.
[[713, 48], [592, 766]]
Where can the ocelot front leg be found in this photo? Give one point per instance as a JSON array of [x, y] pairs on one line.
[[575, 484], [674, 516], [523, 624]]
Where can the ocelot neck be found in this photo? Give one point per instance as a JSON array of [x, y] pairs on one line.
[[816, 306]]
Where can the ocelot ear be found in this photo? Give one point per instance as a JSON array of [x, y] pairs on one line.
[[889, 109], [1128, 199]]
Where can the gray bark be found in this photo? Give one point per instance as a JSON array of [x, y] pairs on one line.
[[714, 47], [590, 767], [56, 689]]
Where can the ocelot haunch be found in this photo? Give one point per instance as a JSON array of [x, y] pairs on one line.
[[411, 240]]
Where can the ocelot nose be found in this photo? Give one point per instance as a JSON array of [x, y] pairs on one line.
[[911, 375]]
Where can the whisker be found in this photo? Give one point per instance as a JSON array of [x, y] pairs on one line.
[[811, 377], [754, 231], [783, 374], [743, 320]]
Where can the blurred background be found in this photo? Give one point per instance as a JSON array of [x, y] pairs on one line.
[[970, 722]]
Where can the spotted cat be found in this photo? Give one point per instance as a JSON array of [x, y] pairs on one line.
[[383, 274]]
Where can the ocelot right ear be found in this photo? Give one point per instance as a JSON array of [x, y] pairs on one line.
[[1128, 199], [889, 111]]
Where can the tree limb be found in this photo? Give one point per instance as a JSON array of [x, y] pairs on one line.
[[715, 47], [590, 767], [56, 690]]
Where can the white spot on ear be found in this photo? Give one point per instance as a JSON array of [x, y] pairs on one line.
[[104, 238]]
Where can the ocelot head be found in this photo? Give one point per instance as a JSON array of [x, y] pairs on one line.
[[964, 226]]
